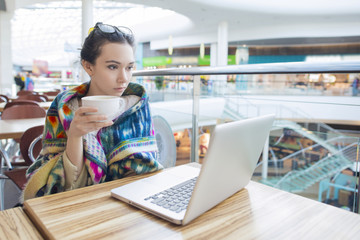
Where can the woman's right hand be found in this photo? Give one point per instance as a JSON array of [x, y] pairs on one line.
[[83, 122]]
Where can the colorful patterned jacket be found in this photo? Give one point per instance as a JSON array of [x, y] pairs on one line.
[[128, 145]]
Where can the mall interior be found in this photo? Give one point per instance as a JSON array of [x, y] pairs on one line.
[[205, 63]]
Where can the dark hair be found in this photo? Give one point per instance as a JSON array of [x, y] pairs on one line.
[[96, 39]]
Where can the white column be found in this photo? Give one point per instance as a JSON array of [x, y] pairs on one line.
[[6, 64], [242, 57], [222, 53], [265, 158], [64, 74], [87, 23], [195, 120], [87, 17], [213, 55], [213, 63], [222, 56], [139, 54]]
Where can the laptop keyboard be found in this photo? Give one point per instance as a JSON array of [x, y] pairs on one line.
[[175, 198]]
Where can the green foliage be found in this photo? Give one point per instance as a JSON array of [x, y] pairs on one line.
[[159, 81]]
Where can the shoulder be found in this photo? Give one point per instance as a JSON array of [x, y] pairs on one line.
[[129, 101], [135, 89], [78, 92], [59, 99]]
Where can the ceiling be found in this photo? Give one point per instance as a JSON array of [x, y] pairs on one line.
[[51, 30]]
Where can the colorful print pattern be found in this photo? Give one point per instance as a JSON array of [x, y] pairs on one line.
[[128, 145]]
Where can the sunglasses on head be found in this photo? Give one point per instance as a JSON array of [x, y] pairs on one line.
[[106, 28]]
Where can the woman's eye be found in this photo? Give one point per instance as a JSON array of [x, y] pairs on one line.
[[130, 67], [112, 67]]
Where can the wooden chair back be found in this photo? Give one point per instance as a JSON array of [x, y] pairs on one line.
[[23, 112], [18, 176], [21, 102], [4, 98], [37, 97], [52, 93], [26, 92], [28, 148]]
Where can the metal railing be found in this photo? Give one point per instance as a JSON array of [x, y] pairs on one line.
[[269, 68], [194, 75]]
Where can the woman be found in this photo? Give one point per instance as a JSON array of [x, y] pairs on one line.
[[81, 149], [355, 86]]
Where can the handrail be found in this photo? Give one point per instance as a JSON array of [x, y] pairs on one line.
[[313, 166], [266, 68], [292, 155]]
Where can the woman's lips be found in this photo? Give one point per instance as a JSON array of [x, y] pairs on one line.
[[121, 89]]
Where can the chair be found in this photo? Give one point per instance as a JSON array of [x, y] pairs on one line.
[[165, 141], [20, 112], [4, 98], [23, 112], [37, 97], [30, 144], [30, 147], [52, 93], [21, 102], [26, 92], [18, 176]]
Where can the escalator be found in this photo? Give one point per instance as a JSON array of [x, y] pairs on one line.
[[338, 157]]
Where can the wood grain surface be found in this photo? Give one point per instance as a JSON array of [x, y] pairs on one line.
[[15, 128], [14, 224], [256, 212]]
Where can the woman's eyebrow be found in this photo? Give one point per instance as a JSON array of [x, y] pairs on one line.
[[113, 61]]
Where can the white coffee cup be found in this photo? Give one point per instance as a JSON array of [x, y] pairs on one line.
[[106, 105]]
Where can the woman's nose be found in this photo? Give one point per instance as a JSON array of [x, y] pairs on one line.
[[122, 76]]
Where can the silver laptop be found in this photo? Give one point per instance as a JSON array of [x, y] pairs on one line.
[[182, 193]]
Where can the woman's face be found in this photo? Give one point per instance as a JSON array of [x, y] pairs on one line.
[[112, 71]]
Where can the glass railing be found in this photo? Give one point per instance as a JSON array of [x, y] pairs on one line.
[[326, 171], [306, 157], [253, 85]]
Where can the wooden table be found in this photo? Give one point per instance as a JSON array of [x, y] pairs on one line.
[[15, 128], [14, 224], [45, 105], [256, 212]]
